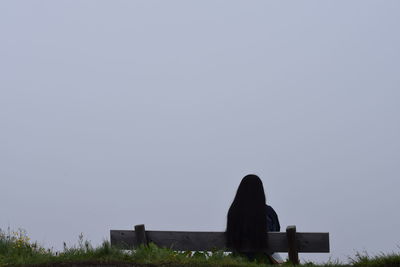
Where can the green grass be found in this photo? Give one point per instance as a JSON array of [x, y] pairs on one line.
[[392, 259], [17, 250]]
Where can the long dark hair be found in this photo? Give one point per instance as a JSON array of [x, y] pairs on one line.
[[247, 217]]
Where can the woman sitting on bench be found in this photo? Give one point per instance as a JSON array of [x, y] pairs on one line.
[[249, 219]]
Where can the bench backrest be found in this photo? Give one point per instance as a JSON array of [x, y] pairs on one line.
[[291, 241]]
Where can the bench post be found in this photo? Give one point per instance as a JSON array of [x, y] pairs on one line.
[[141, 238], [292, 244]]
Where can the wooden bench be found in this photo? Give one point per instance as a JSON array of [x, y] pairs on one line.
[[291, 241]]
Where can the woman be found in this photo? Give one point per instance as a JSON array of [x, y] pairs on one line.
[[249, 219]]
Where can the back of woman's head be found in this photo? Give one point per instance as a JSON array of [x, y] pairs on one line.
[[247, 216]]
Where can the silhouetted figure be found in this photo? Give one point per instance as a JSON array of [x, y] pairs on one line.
[[249, 219]]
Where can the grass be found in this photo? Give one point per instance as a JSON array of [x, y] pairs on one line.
[[392, 259], [17, 250]]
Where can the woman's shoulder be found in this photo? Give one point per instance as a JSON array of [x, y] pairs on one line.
[[273, 220], [270, 210]]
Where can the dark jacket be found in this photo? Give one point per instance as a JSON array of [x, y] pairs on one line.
[[272, 220]]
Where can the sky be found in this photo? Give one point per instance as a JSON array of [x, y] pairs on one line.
[[118, 113]]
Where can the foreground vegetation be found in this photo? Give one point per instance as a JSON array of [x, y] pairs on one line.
[[17, 250]]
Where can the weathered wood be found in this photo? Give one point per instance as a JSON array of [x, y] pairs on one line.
[[141, 238], [124, 239], [195, 241], [292, 244], [207, 241], [312, 242]]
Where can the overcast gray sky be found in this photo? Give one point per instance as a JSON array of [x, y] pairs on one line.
[[116, 113]]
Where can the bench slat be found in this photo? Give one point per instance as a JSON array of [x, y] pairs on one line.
[[207, 241]]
